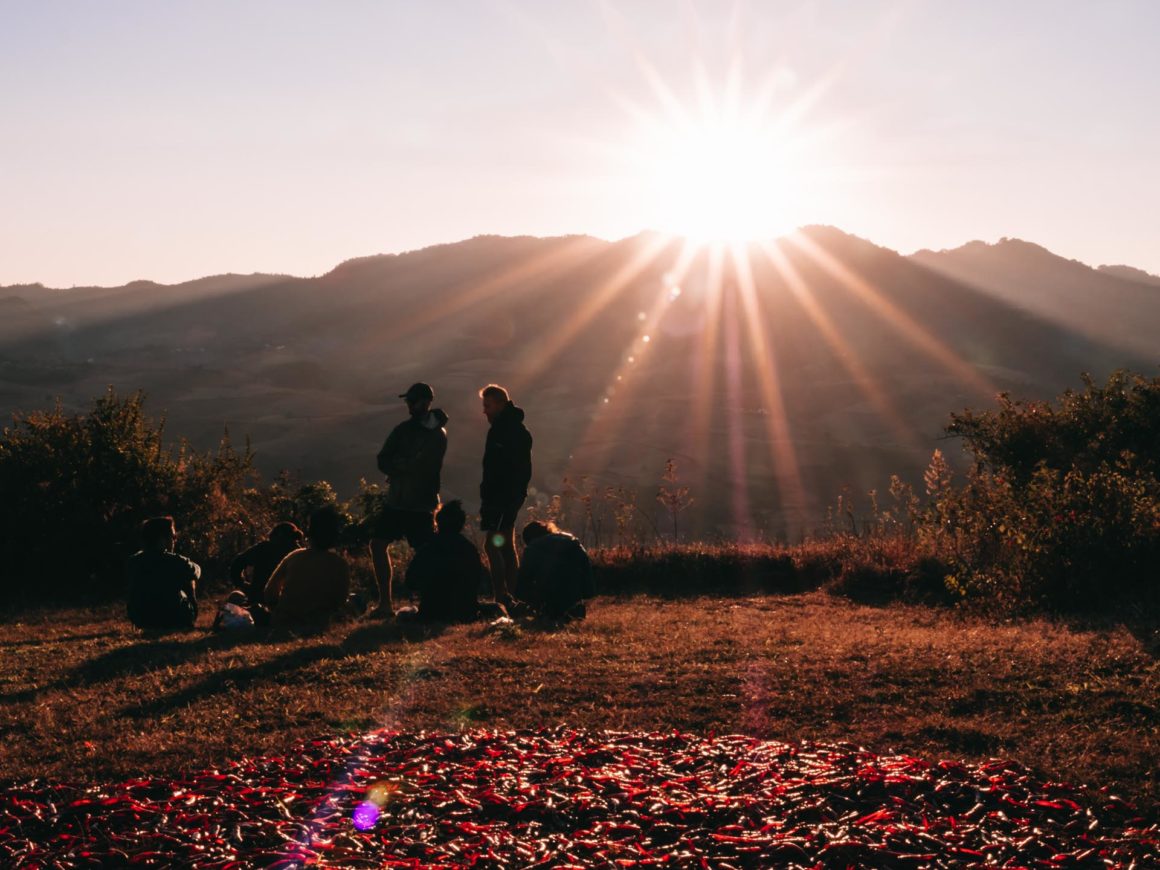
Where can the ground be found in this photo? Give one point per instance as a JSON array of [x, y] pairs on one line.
[[86, 698]]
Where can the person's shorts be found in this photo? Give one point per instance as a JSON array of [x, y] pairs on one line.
[[393, 524], [498, 517]]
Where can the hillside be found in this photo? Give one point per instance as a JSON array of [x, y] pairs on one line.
[[1113, 304], [838, 369]]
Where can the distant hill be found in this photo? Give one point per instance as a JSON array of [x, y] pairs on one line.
[[1105, 304], [828, 362], [1131, 274]]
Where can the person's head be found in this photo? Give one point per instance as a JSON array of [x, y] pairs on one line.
[[495, 399], [418, 397], [537, 529], [286, 534], [158, 533], [324, 528], [451, 518]]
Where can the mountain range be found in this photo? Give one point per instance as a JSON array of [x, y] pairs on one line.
[[777, 378]]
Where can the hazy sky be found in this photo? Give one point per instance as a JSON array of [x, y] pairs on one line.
[[170, 140]]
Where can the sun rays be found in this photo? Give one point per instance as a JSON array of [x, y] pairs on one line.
[[738, 420]]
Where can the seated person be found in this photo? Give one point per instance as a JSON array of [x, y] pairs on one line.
[[262, 559], [555, 575], [310, 585], [162, 584], [447, 571]]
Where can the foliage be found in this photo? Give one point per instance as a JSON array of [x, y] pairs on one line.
[[77, 486], [1062, 506]]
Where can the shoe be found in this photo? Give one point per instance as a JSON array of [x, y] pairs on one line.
[[381, 612], [517, 608]]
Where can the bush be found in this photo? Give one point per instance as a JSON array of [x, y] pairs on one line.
[[1062, 506], [76, 487]]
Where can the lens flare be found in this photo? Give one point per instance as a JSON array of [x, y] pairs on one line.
[[365, 816]]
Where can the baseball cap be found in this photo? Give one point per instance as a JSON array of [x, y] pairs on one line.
[[418, 392]]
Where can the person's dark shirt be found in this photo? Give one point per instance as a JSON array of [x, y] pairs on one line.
[[447, 572], [507, 459], [162, 589], [554, 574], [412, 460], [261, 559]]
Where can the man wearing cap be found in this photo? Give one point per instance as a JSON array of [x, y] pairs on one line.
[[412, 460]]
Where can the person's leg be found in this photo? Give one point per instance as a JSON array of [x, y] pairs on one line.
[[511, 562], [381, 558], [497, 565]]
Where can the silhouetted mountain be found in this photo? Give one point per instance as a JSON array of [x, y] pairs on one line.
[[1097, 303], [821, 361], [1131, 274]]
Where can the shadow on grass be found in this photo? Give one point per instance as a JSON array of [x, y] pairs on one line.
[[158, 651], [365, 638], [1142, 621], [52, 639]]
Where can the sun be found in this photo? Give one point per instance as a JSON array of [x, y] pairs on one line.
[[722, 180], [732, 161]]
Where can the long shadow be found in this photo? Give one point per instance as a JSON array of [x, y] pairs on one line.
[[365, 638], [232, 679], [156, 652], [151, 654], [1141, 622], [58, 638]]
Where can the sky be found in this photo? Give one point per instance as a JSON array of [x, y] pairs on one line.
[[169, 141]]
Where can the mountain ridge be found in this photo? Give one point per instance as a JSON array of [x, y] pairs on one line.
[[825, 362]]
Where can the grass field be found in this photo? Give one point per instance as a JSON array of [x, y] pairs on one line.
[[84, 697]]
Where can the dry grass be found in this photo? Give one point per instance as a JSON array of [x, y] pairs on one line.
[[85, 697]]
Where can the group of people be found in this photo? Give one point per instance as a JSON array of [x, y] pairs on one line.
[[287, 582]]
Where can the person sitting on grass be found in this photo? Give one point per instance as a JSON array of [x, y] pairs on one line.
[[162, 584], [309, 587], [447, 571], [262, 559], [555, 575]]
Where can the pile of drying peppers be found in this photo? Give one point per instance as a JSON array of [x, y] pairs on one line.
[[564, 798]]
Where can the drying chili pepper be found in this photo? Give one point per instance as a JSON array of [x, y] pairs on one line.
[[566, 798]]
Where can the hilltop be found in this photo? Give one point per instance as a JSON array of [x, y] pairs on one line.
[[864, 350]]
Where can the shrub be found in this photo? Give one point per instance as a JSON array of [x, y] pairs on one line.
[[76, 487], [1062, 506]]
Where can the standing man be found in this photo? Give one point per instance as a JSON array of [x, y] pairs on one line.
[[412, 460], [507, 470]]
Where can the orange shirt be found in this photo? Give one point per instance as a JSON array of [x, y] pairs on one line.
[[308, 587]]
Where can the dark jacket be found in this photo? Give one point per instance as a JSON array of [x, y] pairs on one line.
[[412, 460], [162, 590], [447, 572], [507, 459], [555, 574]]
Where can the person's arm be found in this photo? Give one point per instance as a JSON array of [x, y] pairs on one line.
[[276, 583], [194, 576], [524, 470], [239, 565], [388, 455]]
